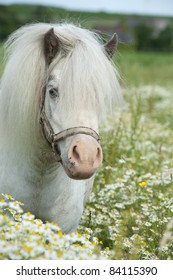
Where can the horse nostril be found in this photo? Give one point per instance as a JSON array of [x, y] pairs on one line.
[[98, 155], [75, 153]]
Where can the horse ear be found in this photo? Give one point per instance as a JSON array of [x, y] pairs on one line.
[[51, 45], [111, 45]]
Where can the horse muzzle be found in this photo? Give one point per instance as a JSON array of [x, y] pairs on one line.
[[84, 158]]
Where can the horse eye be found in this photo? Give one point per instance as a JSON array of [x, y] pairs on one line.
[[53, 92]]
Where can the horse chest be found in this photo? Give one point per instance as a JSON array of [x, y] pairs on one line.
[[61, 201]]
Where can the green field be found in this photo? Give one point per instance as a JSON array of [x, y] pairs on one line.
[[132, 200], [140, 68]]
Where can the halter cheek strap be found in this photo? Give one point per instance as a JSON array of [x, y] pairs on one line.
[[53, 138]]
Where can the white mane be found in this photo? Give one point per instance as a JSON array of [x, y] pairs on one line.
[[26, 74]]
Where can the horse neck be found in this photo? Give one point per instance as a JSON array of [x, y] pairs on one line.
[[27, 151]]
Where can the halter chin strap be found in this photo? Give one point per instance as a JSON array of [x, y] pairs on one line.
[[53, 138]]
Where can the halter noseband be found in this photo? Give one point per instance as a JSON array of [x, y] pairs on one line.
[[53, 138]]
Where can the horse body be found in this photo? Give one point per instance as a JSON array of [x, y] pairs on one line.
[[66, 69]]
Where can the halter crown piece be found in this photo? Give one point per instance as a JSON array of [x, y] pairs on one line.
[[53, 138]]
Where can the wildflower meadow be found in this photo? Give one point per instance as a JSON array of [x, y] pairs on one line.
[[129, 215]]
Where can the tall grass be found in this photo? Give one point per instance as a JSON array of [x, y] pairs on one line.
[[1, 59], [133, 198], [145, 68]]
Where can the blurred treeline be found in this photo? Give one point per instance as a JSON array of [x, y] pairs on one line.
[[148, 39], [139, 32]]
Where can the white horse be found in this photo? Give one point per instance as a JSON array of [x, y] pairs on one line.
[[58, 83]]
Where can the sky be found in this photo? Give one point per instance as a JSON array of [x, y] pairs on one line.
[[147, 7]]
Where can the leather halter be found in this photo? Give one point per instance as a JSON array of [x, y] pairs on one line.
[[53, 138]]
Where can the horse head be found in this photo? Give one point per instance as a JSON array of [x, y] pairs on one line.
[[70, 103]]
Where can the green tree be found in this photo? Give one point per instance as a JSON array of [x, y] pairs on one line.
[[8, 22], [164, 42], [143, 37]]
